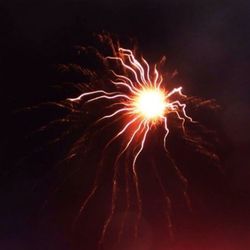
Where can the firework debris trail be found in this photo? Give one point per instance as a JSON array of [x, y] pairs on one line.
[[136, 97]]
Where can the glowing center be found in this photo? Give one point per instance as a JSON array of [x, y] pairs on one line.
[[151, 103]]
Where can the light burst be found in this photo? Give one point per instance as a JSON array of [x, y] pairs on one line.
[[133, 99], [144, 102]]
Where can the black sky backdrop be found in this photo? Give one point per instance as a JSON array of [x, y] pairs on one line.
[[206, 41]]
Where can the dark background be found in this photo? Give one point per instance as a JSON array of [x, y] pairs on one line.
[[207, 41]]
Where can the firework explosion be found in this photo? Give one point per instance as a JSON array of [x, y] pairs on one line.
[[134, 101], [144, 103]]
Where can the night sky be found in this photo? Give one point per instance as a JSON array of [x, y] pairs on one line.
[[208, 42]]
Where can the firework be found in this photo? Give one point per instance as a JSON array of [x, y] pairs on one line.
[[144, 103], [131, 97]]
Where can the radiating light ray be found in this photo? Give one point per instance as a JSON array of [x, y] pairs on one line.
[[166, 129], [156, 76], [176, 90], [148, 69], [136, 64], [160, 82], [122, 131], [90, 93], [127, 67], [132, 137], [146, 125], [126, 79], [131, 89], [108, 97], [115, 113]]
